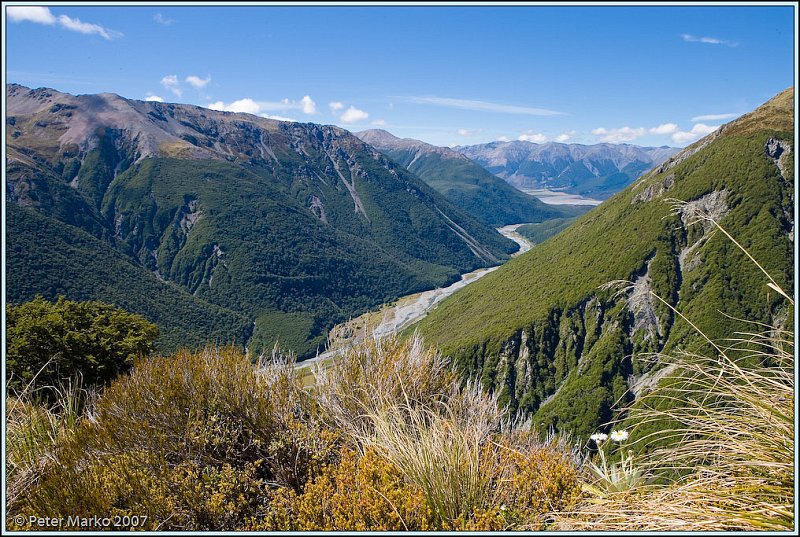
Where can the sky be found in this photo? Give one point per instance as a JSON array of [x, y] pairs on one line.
[[447, 75]]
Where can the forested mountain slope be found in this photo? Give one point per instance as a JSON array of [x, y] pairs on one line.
[[284, 227], [543, 330]]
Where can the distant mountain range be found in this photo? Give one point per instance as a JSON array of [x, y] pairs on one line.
[[219, 226], [596, 171], [465, 183]]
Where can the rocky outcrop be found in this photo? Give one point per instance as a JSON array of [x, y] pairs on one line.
[[316, 206], [641, 304], [653, 190], [778, 150], [697, 217]]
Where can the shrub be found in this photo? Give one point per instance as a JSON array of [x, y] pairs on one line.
[[451, 442], [362, 493], [50, 343], [209, 441], [193, 441], [532, 482]]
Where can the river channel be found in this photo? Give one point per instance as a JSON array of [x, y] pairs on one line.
[[408, 309]]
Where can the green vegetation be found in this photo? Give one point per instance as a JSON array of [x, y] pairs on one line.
[[358, 452], [726, 461], [35, 425], [256, 255], [542, 231], [542, 332], [256, 451], [393, 434], [48, 344], [237, 231], [47, 258], [389, 439]]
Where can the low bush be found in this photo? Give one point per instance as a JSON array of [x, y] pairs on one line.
[[193, 441], [49, 343], [361, 493]]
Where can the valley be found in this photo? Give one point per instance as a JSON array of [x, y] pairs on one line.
[[392, 318], [411, 267]]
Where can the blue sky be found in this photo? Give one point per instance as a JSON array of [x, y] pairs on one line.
[[449, 75]]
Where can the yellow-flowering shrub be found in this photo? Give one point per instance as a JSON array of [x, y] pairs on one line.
[[532, 483], [360, 494], [193, 441]]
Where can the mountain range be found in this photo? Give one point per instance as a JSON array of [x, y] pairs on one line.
[[546, 330], [220, 226], [596, 171], [465, 183]]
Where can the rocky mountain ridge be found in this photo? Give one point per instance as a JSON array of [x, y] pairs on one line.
[[597, 170]]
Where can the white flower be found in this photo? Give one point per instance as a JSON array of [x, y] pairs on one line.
[[619, 436], [599, 437]]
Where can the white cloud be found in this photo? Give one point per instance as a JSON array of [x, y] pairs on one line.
[[353, 115], [708, 40], [698, 131], [379, 123], [664, 128], [37, 14], [87, 28], [42, 15], [279, 118], [530, 136], [714, 117], [307, 105], [335, 106], [482, 106], [154, 98], [261, 108], [171, 83], [616, 136], [564, 136], [161, 19], [503, 139], [246, 105], [468, 132], [197, 82]]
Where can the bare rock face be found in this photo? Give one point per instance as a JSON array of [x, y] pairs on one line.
[[700, 212], [318, 208], [654, 190], [712, 206], [641, 304], [777, 150]]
